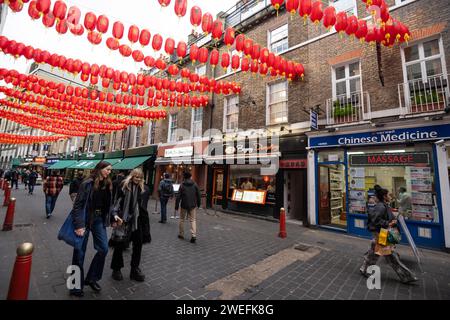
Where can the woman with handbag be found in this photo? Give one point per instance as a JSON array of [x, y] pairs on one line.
[[91, 214], [130, 221], [383, 225]]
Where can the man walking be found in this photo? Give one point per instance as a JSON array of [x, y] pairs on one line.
[[15, 178], [165, 191], [32, 178], [189, 196], [52, 187]]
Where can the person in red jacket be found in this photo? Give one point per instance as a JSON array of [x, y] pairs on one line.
[[52, 187]]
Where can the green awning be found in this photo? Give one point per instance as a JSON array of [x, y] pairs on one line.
[[62, 164], [16, 162], [113, 161], [84, 164], [130, 163]]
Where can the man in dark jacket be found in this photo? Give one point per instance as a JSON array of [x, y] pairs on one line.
[[32, 178], [15, 178], [189, 196], [165, 191], [75, 185]]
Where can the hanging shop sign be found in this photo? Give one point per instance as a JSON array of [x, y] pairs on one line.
[[390, 159], [293, 164], [39, 159], [380, 137], [248, 147]]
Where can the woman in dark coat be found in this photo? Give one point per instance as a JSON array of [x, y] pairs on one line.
[[381, 216], [91, 214], [131, 216]]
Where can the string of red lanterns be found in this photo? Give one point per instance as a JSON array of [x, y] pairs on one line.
[[7, 138]]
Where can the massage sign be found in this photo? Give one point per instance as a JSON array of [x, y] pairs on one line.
[[390, 159]]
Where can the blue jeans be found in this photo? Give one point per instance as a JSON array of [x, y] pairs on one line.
[[163, 208], [50, 202], [95, 272], [30, 188]]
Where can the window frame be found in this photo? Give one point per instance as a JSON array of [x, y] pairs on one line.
[[113, 141], [193, 122], [90, 144], [269, 38], [151, 132], [226, 114], [170, 128], [268, 104], [101, 142], [355, 7], [347, 78], [137, 137]]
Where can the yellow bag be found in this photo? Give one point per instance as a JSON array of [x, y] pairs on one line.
[[382, 237]]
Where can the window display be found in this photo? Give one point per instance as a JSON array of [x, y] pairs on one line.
[[248, 177]]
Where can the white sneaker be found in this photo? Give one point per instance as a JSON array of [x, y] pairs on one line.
[[172, 217]]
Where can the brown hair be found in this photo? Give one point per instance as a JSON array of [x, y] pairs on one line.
[[96, 175]]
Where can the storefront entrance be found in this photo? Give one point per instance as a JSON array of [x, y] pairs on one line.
[[218, 186], [332, 195], [295, 194]]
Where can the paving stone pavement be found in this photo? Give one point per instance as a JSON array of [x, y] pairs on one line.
[[178, 270]]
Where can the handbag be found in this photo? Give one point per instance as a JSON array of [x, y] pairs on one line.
[[120, 233], [394, 236]]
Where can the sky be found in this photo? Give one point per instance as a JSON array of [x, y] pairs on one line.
[[143, 13]]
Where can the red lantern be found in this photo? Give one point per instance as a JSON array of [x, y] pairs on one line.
[[157, 42], [112, 43], [225, 62], [371, 36], [125, 50], [164, 3], [138, 56], [160, 64], [235, 62], [207, 23], [73, 16], [276, 4], [43, 6], [196, 16], [248, 46], [245, 64], [90, 21], [194, 77], [329, 17], [28, 52], [256, 50], [305, 9], [77, 30], [181, 49], [341, 22], [169, 47], [263, 69], [240, 40], [173, 70], [144, 37], [117, 30], [292, 7], [59, 10], [32, 11], [362, 30], [180, 8], [133, 34], [193, 54], [352, 25], [62, 27], [316, 12], [229, 36], [384, 13], [94, 37], [203, 55], [217, 30], [149, 61], [16, 6], [48, 20], [102, 24]]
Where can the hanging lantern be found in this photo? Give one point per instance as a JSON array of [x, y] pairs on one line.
[[193, 77], [90, 21], [245, 64], [305, 9], [196, 16], [352, 26], [173, 70], [164, 3], [112, 43], [316, 13], [125, 50], [214, 58], [160, 64], [48, 20], [181, 49], [28, 52], [180, 8], [157, 42], [362, 30], [256, 50], [118, 30], [217, 30], [94, 37], [292, 7], [77, 30], [329, 17], [248, 46], [290, 70], [59, 10], [225, 62], [138, 56], [16, 6], [207, 23], [203, 55], [384, 13], [169, 47], [229, 36], [193, 54], [277, 4], [32, 11], [62, 27], [240, 40], [149, 61], [102, 24], [133, 34], [371, 36], [264, 55], [43, 6], [144, 37], [73, 16], [235, 62]]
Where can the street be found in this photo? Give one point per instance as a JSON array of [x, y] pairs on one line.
[[235, 257]]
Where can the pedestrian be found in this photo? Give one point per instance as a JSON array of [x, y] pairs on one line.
[[130, 216], [91, 214], [75, 185], [117, 182], [32, 179], [15, 178], [25, 177], [404, 203], [52, 187], [381, 216], [189, 197], [165, 191]]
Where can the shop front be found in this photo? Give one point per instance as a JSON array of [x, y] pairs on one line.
[[243, 176], [143, 157], [39, 164], [176, 159], [85, 164], [346, 167]]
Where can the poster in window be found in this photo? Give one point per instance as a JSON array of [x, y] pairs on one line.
[[421, 198], [420, 173], [421, 185], [357, 195], [357, 172], [358, 206], [357, 183], [422, 213]]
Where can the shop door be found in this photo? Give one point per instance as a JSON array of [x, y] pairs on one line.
[[324, 196], [218, 184], [295, 194], [332, 195]]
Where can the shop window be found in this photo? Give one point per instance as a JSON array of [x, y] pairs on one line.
[[277, 103], [248, 177], [332, 206], [231, 113], [331, 156], [196, 125], [346, 80], [102, 143], [173, 125], [406, 172], [278, 39], [90, 144]]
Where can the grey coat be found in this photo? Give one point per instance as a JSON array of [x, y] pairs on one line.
[[379, 217]]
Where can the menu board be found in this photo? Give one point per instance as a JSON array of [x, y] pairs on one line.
[[250, 196]]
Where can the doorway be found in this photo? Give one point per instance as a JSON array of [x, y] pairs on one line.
[[295, 195], [218, 184], [332, 195]]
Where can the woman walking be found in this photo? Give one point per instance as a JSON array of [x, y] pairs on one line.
[[132, 217], [91, 214], [381, 216]]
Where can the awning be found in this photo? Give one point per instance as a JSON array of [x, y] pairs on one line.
[[62, 164], [84, 164], [16, 162], [113, 161], [130, 163]]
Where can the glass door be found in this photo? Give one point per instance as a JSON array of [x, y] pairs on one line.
[[217, 187]]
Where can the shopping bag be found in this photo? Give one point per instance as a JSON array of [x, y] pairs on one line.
[[68, 235], [394, 236], [382, 237]]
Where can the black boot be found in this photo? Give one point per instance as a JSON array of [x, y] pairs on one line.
[[136, 274], [117, 275]]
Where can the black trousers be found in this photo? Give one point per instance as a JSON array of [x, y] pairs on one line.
[[117, 258]]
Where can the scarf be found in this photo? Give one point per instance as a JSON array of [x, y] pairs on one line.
[[131, 210]]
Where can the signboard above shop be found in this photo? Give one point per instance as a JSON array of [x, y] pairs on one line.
[[293, 164], [382, 137], [179, 152], [390, 159]]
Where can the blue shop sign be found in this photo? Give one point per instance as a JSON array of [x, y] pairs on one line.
[[385, 136]]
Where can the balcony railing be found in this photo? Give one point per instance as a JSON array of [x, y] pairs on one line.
[[345, 109], [242, 11], [424, 95]]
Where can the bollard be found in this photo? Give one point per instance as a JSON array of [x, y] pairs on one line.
[[9, 218], [20, 278], [7, 195], [282, 233]]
